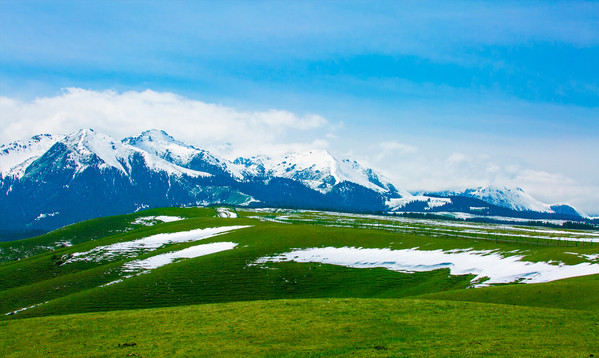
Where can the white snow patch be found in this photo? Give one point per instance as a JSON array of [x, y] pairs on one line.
[[111, 282], [482, 263], [588, 257], [152, 220], [147, 244], [25, 308], [188, 253], [226, 213], [46, 215], [168, 219]]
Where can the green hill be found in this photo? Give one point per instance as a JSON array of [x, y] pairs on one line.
[[117, 265], [310, 328]]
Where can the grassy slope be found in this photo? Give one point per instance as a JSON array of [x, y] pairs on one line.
[[88, 230], [579, 293], [226, 276], [315, 327], [325, 325]]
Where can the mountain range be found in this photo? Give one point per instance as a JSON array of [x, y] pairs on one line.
[[49, 181]]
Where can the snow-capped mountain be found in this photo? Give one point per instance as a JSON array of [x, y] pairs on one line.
[[86, 148], [511, 198], [320, 171], [49, 181], [159, 144], [518, 200], [514, 198], [16, 156]]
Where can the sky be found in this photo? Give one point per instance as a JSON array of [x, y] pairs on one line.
[[436, 95]]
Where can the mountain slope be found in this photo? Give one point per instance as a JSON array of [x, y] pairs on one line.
[[320, 171], [159, 144], [53, 180], [50, 181], [511, 198], [86, 174], [16, 156], [518, 200]]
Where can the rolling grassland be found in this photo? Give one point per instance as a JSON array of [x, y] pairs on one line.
[[233, 282]]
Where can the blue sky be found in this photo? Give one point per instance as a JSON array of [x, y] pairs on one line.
[[435, 94]]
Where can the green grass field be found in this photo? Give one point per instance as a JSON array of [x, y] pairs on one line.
[[226, 304], [313, 327]]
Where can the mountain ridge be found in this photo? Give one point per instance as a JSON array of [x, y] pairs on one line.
[[49, 181]]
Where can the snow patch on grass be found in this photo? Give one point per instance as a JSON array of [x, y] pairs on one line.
[[23, 309], [188, 253], [153, 220], [482, 263], [138, 267], [588, 257], [226, 213], [147, 244]]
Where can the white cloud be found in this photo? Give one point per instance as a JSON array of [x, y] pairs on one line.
[[396, 147], [126, 114], [457, 158]]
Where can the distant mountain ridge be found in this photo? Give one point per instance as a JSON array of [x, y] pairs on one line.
[[50, 181], [515, 199]]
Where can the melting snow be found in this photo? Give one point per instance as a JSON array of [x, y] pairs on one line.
[[151, 220], [226, 213], [138, 267], [23, 309], [482, 263], [588, 257], [188, 253], [147, 244], [45, 215]]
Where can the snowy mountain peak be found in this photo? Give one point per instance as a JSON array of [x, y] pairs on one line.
[[511, 198], [321, 170], [162, 145], [153, 135], [16, 156], [86, 144]]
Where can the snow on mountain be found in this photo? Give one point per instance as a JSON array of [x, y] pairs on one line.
[[319, 170], [162, 145], [85, 145], [16, 157], [511, 198], [85, 148], [256, 166], [153, 169], [567, 209]]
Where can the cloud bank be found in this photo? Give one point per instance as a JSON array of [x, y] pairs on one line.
[[125, 114]]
